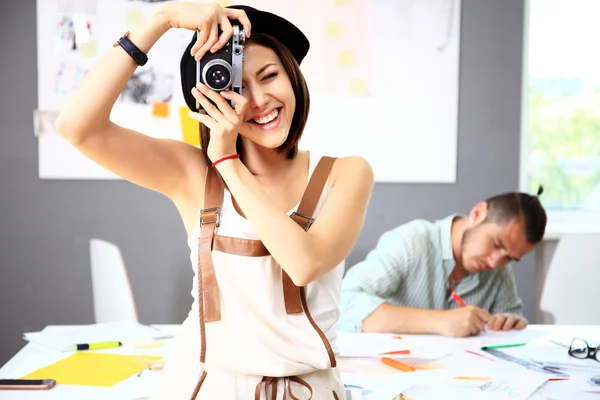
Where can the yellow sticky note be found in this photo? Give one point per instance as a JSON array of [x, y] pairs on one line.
[[190, 127], [160, 110], [134, 16], [333, 30], [224, 3], [93, 369], [358, 87], [89, 49], [346, 58], [341, 3]]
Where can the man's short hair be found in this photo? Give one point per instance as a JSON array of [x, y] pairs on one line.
[[506, 207]]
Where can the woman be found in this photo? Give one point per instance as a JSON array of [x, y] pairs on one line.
[[268, 286]]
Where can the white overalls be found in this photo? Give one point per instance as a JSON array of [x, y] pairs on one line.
[[257, 335]]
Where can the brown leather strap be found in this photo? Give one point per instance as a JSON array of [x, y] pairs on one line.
[[314, 189], [316, 327], [240, 247], [209, 221], [198, 385], [270, 384], [304, 218]]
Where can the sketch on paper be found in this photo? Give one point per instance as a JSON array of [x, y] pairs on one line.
[[71, 31], [148, 87], [68, 76]]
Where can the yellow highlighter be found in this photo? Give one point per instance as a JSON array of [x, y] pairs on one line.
[[97, 345]]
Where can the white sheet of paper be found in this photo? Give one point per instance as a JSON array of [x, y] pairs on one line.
[[590, 334], [384, 387], [552, 354], [511, 386], [378, 345], [118, 331], [509, 337]]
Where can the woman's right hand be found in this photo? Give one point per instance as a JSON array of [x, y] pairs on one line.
[[206, 18]]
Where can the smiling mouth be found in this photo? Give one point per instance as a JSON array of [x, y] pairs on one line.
[[269, 119]]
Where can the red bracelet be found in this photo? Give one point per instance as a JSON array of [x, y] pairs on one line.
[[225, 158]]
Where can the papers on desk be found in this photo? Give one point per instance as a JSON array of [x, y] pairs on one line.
[[121, 331], [383, 387], [471, 377], [367, 345], [514, 387], [552, 355], [490, 338]]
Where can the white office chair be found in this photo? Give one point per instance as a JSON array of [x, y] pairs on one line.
[[113, 300], [571, 292]]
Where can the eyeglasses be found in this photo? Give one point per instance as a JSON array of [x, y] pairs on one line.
[[581, 349]]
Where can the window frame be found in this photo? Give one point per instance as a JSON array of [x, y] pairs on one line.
[[560, 222]]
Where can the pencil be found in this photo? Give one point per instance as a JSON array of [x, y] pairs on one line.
[[397, 364]]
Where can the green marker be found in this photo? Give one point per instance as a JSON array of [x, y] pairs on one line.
[[97, 345], [502, 346]]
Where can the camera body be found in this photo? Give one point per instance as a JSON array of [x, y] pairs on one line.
[[222, 70]]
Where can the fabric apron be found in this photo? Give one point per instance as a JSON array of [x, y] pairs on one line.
[[251, 332]]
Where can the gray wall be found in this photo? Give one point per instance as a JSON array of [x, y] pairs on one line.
[[45, 226]]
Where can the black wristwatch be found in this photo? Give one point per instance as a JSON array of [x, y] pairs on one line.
[[138, 56]]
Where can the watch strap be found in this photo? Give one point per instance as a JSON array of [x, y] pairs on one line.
[[138, 56]]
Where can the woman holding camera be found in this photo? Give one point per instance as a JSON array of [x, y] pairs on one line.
[[269, 226]]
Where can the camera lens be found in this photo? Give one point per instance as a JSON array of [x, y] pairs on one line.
[[217, 75]]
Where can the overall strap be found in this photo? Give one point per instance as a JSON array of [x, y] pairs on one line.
[[210, 219], [304, 218], [209, 302]]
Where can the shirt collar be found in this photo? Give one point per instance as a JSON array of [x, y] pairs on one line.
[[445, 232]]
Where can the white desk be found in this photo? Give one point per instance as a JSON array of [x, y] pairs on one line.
[[33, 356]]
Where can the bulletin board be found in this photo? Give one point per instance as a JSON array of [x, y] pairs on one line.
[[382, 74]]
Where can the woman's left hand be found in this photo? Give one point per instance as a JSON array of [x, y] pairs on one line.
[[223, 121]]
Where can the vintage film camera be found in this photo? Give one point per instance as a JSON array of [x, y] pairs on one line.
[[222, 70]]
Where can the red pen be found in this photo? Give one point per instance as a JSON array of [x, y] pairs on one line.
[[457, 299]]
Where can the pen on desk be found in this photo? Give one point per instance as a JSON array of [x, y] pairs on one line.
[[480, 355], [97, 345], [457, 299], [502, 346], [397, 364]]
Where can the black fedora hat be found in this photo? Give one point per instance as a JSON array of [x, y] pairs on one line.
[[262, 22]]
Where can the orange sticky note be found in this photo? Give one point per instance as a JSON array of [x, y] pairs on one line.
[[190, 127], [160, 110]]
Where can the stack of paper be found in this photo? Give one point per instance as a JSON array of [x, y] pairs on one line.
[[121, 331]]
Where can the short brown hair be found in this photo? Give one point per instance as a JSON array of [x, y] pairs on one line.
[[505, 207], [299, 87]]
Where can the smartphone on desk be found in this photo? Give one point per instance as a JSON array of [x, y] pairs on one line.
[[27, 384]]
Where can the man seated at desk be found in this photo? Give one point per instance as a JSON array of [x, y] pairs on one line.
[[409, 282]]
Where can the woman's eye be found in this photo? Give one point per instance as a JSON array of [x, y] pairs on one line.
[[271, 75]]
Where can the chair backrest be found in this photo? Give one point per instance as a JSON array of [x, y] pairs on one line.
[[113, 299], [571, 292]]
